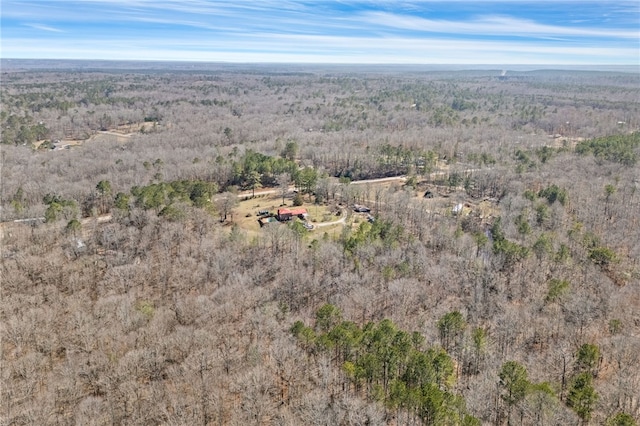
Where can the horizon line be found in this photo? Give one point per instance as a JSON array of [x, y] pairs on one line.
[[302, 63]]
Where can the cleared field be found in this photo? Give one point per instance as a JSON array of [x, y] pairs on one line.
[[246, 213], [120, 134]]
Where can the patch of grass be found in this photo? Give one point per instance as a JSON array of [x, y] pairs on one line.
[[146, 308]]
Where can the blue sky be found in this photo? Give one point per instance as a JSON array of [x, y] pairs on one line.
[[546, 32]]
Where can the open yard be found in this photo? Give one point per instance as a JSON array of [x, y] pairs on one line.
[[246, 213]]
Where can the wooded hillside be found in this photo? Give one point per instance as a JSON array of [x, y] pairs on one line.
[[133, 292]]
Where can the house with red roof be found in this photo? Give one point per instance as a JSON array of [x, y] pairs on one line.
[[287, 214]]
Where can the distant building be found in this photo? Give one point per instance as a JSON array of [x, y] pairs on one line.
[[361, 209], [287, 214]]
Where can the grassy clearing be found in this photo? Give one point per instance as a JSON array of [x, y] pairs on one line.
[[246, 213]]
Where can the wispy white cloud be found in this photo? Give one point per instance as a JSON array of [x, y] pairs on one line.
[[490, 25], [44, 28], [184, 23]]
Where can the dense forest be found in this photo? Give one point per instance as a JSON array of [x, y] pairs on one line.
[[493, 277]]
